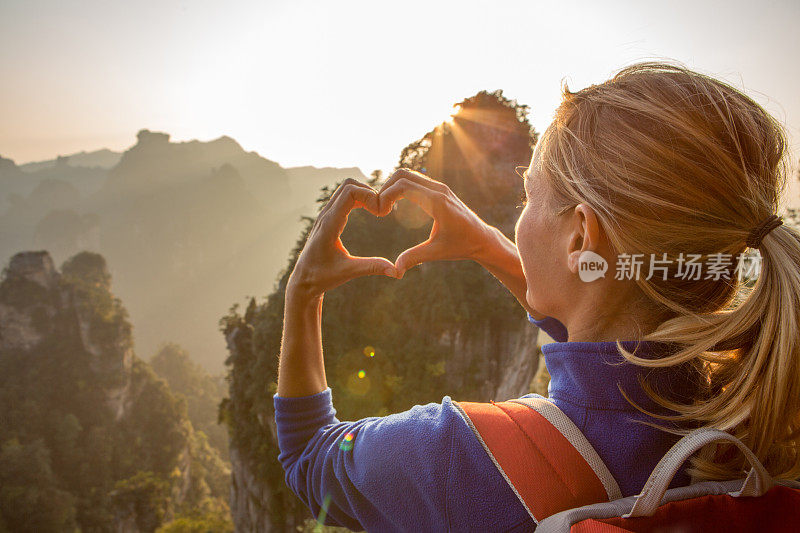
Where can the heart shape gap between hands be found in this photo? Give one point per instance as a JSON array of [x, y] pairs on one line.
[[385, 238], [324, 263]]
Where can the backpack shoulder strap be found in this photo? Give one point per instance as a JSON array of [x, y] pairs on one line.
[[541, 454]]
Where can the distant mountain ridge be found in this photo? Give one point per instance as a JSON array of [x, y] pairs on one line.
[[107, 159], [103, 158], [185, 227]]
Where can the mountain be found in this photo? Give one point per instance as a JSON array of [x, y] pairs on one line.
[[13, 182], [23, 180], [307, 181], [104, 158], [91, 438], [185, 227]]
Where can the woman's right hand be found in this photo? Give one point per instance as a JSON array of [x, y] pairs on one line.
[[457, 232]]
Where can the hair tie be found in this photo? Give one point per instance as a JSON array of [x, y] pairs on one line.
[[758, 233]]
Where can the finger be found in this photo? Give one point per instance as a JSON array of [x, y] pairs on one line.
[[338, 191], [351, 196], [325, 208], [425, 251], [372, 266], [428, 199], [332, 200], [416, 177]]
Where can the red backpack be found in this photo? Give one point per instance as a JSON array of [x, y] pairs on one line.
[[565, 486]]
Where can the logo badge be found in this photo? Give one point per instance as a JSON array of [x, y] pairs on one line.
[[591, 266]]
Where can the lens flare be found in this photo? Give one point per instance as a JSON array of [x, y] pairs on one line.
[[358, 383], [347, 442]]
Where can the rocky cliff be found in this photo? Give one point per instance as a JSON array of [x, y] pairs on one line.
[[37, 305]]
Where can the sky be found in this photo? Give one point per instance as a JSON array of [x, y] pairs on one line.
[[351, 83]]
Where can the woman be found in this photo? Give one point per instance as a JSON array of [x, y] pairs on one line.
[[655, 172]]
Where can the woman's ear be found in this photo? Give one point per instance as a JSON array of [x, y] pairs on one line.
[[584, 234]]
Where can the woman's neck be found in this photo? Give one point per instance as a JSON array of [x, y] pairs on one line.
[[601, 323]]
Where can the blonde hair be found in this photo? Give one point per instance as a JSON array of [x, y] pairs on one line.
[[674, 161]]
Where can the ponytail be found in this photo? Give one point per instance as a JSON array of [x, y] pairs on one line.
[[674, 161], [750, 353]]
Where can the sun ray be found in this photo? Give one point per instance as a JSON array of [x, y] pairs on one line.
[[488, 117], [475, 157]]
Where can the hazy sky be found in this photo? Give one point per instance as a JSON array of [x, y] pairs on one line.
[[351, 83]]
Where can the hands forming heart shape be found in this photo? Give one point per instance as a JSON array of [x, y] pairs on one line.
[[324, 263]]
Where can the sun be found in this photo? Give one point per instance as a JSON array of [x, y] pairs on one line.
[[457, 110]]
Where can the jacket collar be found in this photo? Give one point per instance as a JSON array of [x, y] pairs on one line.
[[588, 374]]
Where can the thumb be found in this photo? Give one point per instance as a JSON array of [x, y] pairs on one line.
[[372, 266], [413, 257]]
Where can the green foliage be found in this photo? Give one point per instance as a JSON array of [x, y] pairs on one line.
[[68, 461], [209, 476], [313, 526], [29, 496], [145, 496], [89, 268], [23, 293], [391, 344], [201, 392], [87, 274], [206, 523], [156, 427]]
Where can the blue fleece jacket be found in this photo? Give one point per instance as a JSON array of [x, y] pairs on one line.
[[424, 470]]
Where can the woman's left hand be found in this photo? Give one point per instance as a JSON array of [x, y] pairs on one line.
[[324, 262]]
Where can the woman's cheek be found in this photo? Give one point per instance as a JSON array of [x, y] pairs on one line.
[[520, 248], [523, 241], [534, 260], [530, 269]]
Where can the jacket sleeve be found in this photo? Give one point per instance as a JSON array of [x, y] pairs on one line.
[[378, 473], [551, 326]]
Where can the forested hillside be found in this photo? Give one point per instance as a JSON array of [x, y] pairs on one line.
[[91, 439], [201, 392]]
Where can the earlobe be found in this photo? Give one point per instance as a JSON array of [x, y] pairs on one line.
[[573, 261]]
